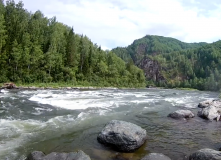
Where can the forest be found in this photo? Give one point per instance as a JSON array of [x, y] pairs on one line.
[[37, 49], [182, 65]]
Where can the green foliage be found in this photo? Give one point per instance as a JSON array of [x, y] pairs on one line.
[[35, 49], [183, 65], [152, 45]]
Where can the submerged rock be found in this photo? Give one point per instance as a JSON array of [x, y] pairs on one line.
[[155, 156], [124, 136], [38, 155], [206, 154], [181, 114]]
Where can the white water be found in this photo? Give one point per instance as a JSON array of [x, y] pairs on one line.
[[28, 117]]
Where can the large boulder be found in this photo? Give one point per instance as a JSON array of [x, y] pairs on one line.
[[210, 113], [207, 103], [211, 109], [206, 154], [155, 156], [181, 114], [38, 155], [124, 136]]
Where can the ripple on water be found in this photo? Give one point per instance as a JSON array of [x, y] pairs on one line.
[[59, 120]]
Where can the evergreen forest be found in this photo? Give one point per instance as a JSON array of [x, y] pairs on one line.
[[37, 49]]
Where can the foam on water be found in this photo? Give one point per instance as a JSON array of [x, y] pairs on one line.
[[4, 91], [76, 100], [17, 133], [144, 101], [31, 115], [186, 101]]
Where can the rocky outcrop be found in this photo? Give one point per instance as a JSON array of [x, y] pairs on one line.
[[155, 156], [181, 114], [123, 136], [152, 69], [206, 154], [38, 155], [210, 109]]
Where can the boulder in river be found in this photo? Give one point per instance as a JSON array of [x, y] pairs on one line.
[[207, 103], [181, 114], [38, 155], [155, 156], [123, 136], [210, 113], [205, 154], [211, 109]]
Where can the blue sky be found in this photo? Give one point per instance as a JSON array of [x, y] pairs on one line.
[[112, 23]]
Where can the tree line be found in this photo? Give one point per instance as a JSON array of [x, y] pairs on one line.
[[37, 49]]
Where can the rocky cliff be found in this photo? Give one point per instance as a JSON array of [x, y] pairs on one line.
[[152, 69]]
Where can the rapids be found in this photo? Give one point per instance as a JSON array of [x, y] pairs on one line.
[[70, 120]]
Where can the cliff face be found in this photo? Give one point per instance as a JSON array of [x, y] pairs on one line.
[[152, 69]]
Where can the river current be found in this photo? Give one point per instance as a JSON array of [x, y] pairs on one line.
[[70, 120]]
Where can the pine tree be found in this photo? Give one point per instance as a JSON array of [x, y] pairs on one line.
[[71, 51], [3, 35]]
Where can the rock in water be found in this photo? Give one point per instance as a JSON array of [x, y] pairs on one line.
[[155, 156], [181, 114], [207, 103], [38, 155], [206, 154], [124, 136], [211, 109], [210, 112]]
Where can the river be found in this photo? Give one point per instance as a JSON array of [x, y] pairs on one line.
[[70, 120]]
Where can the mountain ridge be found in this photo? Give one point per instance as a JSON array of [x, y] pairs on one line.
[[172, 63]]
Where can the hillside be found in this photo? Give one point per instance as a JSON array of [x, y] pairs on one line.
[[171, 63], [37, 49], [152, 45]]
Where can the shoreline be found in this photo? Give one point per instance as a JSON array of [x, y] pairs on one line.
[[61, 86]]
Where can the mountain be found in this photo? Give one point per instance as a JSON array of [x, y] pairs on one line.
[[171, 63], [153, 45]]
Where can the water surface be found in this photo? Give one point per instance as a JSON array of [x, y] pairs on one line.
[[70, 120]]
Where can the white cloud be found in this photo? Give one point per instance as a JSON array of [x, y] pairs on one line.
[[112, 23]]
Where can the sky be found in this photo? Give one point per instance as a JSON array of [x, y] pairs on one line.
[[117, 23]]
